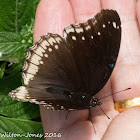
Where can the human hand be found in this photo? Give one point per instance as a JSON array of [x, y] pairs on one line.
[[52, 16]]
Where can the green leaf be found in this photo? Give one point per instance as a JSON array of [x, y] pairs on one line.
[[9, 83], [2, 69], [13, 108], [11, 48], [16, 35], [27, 33], [15, 68], [21, 127], [16, 13], [17, 109], [16, 29]]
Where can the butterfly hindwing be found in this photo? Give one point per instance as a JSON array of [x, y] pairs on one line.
[[54, 98]]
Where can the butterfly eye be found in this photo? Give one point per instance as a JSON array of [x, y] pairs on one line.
[[94, 102]]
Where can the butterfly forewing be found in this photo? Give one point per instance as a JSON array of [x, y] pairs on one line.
[[49, 63], [64, 74], [95, 46]]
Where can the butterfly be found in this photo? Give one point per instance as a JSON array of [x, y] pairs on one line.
[[65, 73]]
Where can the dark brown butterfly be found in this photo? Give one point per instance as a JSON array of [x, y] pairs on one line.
[[66, 73]]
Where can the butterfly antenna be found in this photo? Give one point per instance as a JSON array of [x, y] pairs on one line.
[[115, 93], [67, 115], [93, 127], [103, 111]]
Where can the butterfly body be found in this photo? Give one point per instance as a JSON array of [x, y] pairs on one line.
[[66, 73]]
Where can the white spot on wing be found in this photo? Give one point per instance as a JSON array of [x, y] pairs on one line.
[[64, 34], [51, 40], [103, 25], [99, 33], [114, 25], [33, 66], [44, 44], [35, 56], [62, 107], [42, 102], [94, 21], [32, 71], [58, 39], [39, 51], [79, 30], [35, 59], [19, 93], [50, 49], [83, 38], [37, 102], [52, 108], [87, 27], [69, 29], [73, 38], [41, 62], [33, 100], [27, 77], [56, 46], [45, 55]]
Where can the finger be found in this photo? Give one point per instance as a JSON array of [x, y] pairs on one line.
[[124, 126], [126, 8], [138, 12], [85, 9], [99, 119], [55, 121], [50, 17], [125, 74]]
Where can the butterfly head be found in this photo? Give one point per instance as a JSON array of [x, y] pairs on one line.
[[94, 102], [84, 100]]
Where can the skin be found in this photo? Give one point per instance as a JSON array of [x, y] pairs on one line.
[[52, 16]]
